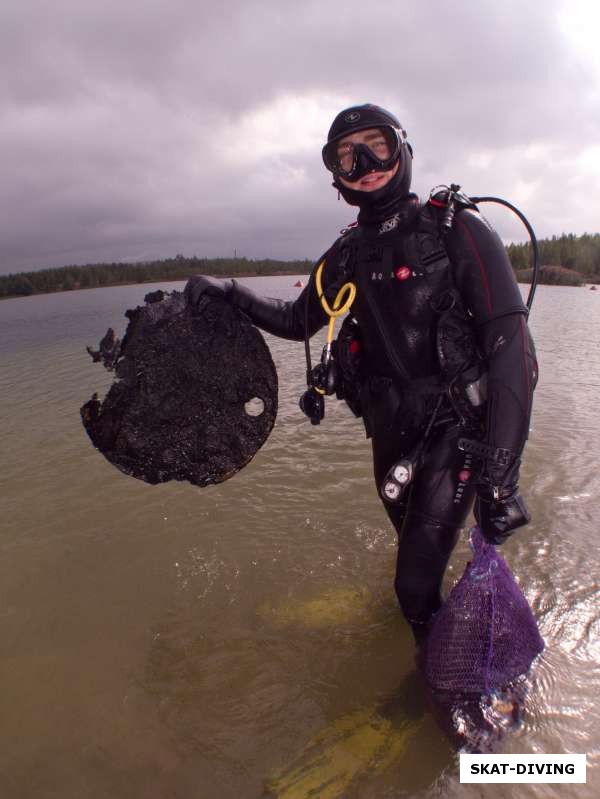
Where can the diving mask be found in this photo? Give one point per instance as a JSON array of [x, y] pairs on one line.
[[350, 160]]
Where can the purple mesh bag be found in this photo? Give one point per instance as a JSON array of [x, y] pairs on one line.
[[485, 634]]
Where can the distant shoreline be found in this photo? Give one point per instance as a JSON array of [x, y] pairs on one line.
[[236, 275], [180, 269], [147, 282], [565, 260]]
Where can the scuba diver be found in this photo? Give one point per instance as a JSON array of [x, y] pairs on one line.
[[435, 353]]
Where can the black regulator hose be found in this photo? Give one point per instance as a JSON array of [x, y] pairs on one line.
[[534, 244]]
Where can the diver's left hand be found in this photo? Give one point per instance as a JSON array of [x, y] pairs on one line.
[[499, 518]]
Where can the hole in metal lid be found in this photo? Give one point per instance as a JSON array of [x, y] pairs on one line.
[[254, 406]]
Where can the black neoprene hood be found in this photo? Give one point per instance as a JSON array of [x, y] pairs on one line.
[[361, 117], [382, 203]]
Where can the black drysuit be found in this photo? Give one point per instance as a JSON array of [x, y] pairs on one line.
[[402, 278]]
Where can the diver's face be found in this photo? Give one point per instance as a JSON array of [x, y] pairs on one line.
[[374, 139]]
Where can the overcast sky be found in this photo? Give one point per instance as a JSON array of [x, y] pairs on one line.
[[141, 129]]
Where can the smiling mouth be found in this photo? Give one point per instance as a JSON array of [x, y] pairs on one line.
[[371, 179]]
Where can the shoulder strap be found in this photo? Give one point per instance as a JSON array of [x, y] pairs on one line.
[[435, 258], [347, 244], [432, 250]]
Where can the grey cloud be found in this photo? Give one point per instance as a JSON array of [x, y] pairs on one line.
[[115, 118]]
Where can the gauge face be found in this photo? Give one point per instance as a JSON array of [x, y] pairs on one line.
[[401, 474], [195, 394], [391, 490]]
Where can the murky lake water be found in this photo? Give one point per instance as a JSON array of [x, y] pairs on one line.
[[174, 642]]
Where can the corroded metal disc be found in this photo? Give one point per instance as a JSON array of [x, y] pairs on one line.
[[195, 396]]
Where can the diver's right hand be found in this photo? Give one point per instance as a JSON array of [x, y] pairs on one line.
[[499, 518], [201, 285]]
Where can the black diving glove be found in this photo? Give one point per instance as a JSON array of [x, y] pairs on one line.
[[498, 517], [200, 286], [283, 318]]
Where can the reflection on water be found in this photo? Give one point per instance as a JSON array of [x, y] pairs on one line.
[[168, 641]]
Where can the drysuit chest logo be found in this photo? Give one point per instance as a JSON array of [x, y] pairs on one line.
[[400, 273]]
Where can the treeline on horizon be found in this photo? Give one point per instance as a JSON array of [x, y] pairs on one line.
[[68, 278], [567, 260]]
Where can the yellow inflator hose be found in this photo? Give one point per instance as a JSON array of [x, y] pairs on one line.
[[340, 306]]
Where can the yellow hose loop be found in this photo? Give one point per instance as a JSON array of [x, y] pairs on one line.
[[340, 306]]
